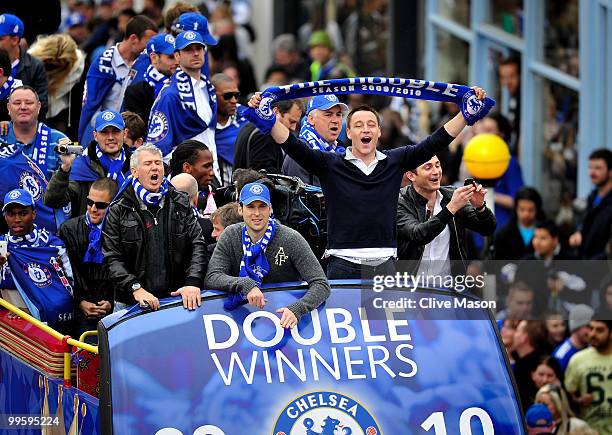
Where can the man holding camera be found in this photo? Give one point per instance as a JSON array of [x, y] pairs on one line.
[[107, 156], [39, 140], [432, 220]]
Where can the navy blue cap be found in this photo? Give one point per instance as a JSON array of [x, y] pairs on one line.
[[254, 192], [74, 19], [11, 25], [109, 117], [161, 43], [187, 38], [324, 102], [196, 22], [18, 196]]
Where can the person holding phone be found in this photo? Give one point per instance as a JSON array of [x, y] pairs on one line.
[[432, 220]]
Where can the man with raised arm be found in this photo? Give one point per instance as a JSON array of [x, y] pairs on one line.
[[361, 187]]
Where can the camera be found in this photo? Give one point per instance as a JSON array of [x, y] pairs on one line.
[[69, 148]]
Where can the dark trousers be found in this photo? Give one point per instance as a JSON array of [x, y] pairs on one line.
[[337, 268]]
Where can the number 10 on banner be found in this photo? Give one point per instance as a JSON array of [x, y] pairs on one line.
[[436, 420]]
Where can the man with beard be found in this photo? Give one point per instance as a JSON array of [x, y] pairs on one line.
[[139, 96], [153, 245], [589, 375], [594, 233]]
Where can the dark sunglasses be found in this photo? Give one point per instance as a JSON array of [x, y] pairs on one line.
[[230, 95], [99, 204]]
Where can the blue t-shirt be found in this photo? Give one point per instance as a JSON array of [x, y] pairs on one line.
[[33, 149], [526, 234]]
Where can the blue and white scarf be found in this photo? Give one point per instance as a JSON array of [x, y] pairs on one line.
[[20, 172], [41, 147], [254, 263], [40, 277], [174, 115], [155, 79], [316, 142], [100, 79], [7, 87], [471, 107], [94, 248], [112, 167], [150, 198]]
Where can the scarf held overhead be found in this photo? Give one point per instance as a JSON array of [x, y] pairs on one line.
[[471, 107]]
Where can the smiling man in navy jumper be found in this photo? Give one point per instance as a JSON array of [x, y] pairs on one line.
[[361, 188]]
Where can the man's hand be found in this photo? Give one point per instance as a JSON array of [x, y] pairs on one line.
[[93, 311], [67, 161], [461, 196], [288, 319], [575, 239], [256, 298], [478, 197], [4, 128], [105, 306], [3, 259], [145, 298], [191, 295], [255, 100]]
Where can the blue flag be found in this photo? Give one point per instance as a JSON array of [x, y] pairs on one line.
[[100, 79], [19, 171], [174, 116], [40, 275]]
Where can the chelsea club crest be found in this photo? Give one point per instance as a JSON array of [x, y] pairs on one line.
[[28, 182], [158, 126], [39, 274], [325, 413]]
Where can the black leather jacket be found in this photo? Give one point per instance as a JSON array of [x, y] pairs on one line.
[[414, 231], [124, 243]]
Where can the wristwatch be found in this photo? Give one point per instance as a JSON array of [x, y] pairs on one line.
[[482, 207], [136, 286]]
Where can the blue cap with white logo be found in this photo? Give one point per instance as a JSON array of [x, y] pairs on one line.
[[196, 22], [324, 102], [109, 118], [162, 43], [187, 38], [74, 19], [11, 25], [254, 192], [18, 196]]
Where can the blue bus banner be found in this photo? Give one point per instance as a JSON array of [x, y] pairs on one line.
[[341, 371]]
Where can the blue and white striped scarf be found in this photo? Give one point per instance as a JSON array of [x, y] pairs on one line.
[[155, 79], [316, 142], [471, 107], [254, 263], [150, 198], [112, 167]]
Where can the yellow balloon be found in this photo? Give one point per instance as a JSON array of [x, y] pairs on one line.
[[486, 156]]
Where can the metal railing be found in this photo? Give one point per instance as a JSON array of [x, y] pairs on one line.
[[66, 340]]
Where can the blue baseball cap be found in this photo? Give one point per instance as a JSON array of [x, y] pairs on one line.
[[187, 38], [324, 102], [109, 117], [74, 19], [196, 22], [161, 43], [254, 192], [18, 196], [539, 416], [11, 25]]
